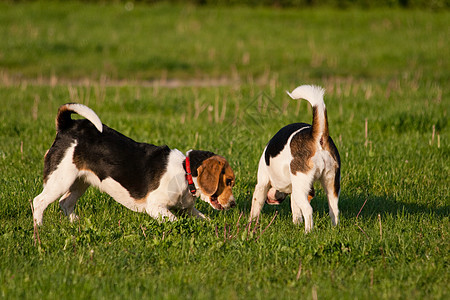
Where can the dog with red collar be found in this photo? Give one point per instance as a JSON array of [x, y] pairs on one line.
[[142, 177], [297, 156]]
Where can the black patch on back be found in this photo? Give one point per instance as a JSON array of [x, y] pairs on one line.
[[196, 158], [138, 167], [279, 140]]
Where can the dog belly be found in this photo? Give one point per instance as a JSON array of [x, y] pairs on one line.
[[287, 189], [281, 182], [279, 176], [116, 191]]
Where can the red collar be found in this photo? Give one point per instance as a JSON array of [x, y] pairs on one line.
[[189, 179]]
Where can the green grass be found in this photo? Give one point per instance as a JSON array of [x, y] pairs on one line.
[[386, 68], [78, 40]]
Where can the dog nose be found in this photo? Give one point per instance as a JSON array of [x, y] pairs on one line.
[[232, 204]]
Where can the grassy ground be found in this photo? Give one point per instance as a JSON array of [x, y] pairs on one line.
[[214, 79]]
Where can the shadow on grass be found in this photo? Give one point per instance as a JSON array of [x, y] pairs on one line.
[[385, 205], [351, 207]]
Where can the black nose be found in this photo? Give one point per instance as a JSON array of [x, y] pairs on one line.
[[232, 204]]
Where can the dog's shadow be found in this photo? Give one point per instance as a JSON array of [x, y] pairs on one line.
[[359, 206], [367, 206]]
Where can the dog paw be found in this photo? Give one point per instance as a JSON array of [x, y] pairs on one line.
[[297, 220], [73, 218]]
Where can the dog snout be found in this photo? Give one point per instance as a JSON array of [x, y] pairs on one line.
[[232, 204]]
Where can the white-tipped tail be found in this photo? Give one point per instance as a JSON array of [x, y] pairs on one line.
[[314, 95], [311, 93], [83, 111]]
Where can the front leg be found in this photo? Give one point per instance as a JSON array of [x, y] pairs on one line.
[[296, 212], [195, 213], [261, 189], [258, 200], [160, 213]]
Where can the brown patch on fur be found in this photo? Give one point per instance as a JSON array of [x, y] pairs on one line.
[[302, 150], [327, 144], [226, 183], [315, 124], [316, 133], [208, 175], [311, 194], [325, 133], [337, 182], [331, 148], [80, 163], [142, 200], [216, 178], [303, 143]]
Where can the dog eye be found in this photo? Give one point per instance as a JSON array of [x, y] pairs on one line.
[[229, 182]]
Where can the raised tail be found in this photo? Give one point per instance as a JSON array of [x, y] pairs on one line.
[[64, 120], [314, 95]]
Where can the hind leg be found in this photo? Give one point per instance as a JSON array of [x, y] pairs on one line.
[[50, 193], [69, 199], [332, 187], [57, 184]]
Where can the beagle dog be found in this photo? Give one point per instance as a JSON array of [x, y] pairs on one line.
[[295, 157], [143, 177]]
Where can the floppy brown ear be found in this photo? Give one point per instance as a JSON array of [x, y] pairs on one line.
[[208, 175]]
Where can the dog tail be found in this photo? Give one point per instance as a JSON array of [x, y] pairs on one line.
[[314, 95], [64, 120]]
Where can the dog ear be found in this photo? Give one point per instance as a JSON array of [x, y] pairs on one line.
[[209, 174]]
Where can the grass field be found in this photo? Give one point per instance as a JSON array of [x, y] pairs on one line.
[[214, 79]]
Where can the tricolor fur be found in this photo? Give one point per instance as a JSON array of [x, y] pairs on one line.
[[294, 158], [143, 177]]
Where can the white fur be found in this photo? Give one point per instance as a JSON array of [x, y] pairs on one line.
[[86, 112], [206, 199], [58, 184], [115, 190], [279, 169], [172, 192], [311, 93], [278, 174], [314, 95], [71, 183]]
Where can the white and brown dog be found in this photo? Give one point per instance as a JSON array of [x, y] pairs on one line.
[[142, 177], [294, 158]]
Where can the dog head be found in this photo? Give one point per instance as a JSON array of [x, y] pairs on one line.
[[215, 181]]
